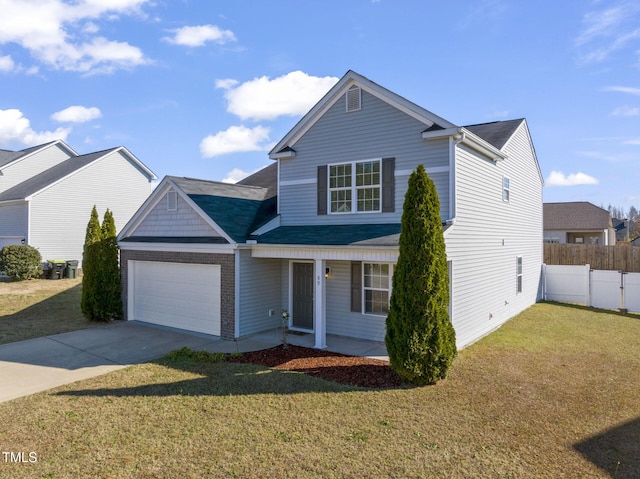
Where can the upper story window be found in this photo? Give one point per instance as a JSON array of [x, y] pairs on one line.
[[506, 190], [355, 187]]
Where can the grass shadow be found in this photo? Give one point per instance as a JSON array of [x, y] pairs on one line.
[[56, 313], [220, 379], [616, 451], [582, 307]]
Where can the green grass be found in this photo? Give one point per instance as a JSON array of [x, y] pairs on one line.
[[40, 307], [554, 393]]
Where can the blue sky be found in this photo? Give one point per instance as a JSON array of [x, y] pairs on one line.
[[204, 88]]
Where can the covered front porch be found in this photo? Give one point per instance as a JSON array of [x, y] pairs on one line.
[[327, 292]]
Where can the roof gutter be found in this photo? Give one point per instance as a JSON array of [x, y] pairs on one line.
[[464, 136]]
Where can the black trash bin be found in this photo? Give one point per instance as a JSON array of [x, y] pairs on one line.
[[56, 268], [71, 271]]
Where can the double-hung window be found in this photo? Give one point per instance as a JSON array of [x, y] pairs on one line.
[[518, 274], [376, 287], [506, 189], [355, 187]]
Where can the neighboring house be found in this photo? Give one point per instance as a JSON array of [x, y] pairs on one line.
[[622, 230], [316, 233], [47, 193], [578, 222]]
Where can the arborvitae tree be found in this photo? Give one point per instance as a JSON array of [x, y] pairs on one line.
[[91, 268], [111, 302], [420, 339]]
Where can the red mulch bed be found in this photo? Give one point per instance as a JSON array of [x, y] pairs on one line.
[[340, 368]]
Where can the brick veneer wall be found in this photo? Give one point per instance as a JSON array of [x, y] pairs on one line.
[[227, 279]]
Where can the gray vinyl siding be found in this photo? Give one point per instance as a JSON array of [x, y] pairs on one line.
[[182, 222], [377, 131], [59, 215], [489, 234], [340, 319], [259, 292], [14, 220], [30, 166]]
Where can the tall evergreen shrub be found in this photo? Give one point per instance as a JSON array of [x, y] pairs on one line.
[[420, 339], [111, 304], [91, 264]]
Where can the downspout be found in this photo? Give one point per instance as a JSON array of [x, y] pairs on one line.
[[453, 143]]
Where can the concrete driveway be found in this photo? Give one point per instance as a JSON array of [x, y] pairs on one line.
[[35, 365]]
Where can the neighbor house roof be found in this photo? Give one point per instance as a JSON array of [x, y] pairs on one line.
[[580, 215], [7, 156], [48, 177], [33, 185], [236, 209]]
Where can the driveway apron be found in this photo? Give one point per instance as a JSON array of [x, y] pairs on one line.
[[35, 365]]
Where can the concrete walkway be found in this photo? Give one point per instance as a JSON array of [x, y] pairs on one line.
[[39, 364]]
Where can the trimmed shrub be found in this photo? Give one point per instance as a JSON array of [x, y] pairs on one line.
[[420, 338], [20, 262]]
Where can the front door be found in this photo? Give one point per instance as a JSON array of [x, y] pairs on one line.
[[302, 296]]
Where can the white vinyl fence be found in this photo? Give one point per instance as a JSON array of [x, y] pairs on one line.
[[597, 288]]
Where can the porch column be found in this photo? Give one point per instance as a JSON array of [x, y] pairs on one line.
[[319, 304]]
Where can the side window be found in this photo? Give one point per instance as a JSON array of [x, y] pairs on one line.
[[518, 274], [506, 189]]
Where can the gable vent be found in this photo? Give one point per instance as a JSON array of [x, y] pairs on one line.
[[354, 98], [172, 200]]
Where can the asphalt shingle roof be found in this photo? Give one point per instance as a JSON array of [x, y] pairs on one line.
[[8, 156], [580, 215], [497, 132], [334, 235], [36, 183], [267, 178]]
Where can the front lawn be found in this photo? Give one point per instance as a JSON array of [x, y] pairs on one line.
[[554, 393]]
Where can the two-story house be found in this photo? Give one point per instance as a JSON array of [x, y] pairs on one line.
[[316, 233], [47, 193]]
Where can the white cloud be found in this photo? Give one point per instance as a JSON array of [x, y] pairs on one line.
[[15, 127], [632, 141], [624, 89], [77, 114], [265, 99], [608, 30], [49, 31], [199, 35], [235, 139], [626, 111], [6, 64], [557, 178]]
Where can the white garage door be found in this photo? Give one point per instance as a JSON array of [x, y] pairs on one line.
[[185, 296]]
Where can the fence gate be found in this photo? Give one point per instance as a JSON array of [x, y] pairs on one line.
[[606, 289], [631, 291]]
